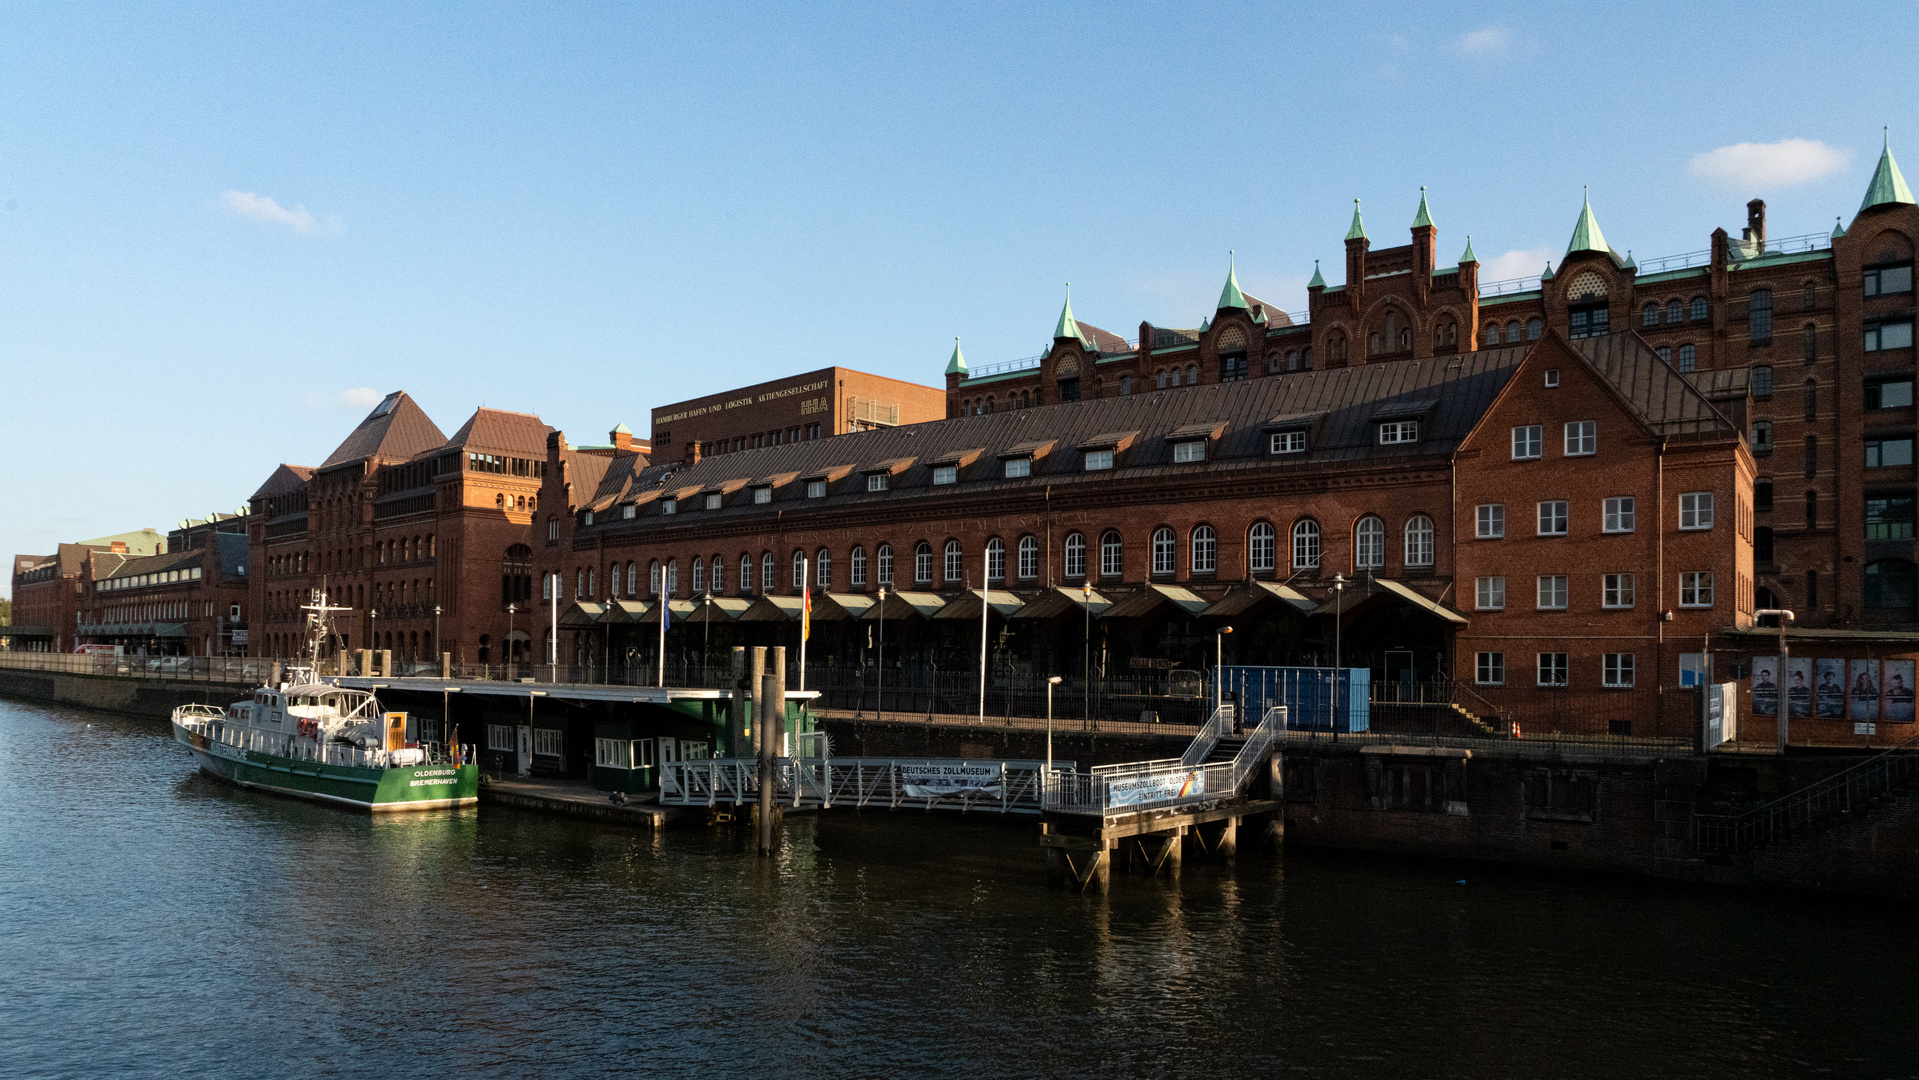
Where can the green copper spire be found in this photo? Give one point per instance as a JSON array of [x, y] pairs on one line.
[[1629, 264], [1838, 230], [1887, 185], [957, 365], [1586, 234], [1548, 275], [622, 429], [1469, 257], [1068, 326], [1230, 296], [1358, 230], [1318, 282], [1425, 216]]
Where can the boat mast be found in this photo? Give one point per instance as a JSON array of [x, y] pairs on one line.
[[319, 624]]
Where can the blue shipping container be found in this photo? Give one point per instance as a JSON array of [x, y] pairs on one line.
[[1316, 699]]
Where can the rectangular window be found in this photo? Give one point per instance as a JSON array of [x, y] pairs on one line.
[[762, 494], [1018, 467], [1491, 668], [1189, 451], [946, 474], [816, 489], [1398, 431], [1888, 280], [1098, 460], [1289, 442], [1762, 437], [1760, 380], [1889, 517], [1553, 518], [1695, 510], [1617, 670], [1695, 589], [1529, 441], [713, 501], [1812, 456], [878, 481], [1553, 592], [1582, 438], [1619, 591], [1889, 394], [613, 753], [1891, 335], [669, 506], [1552, 669], [500, 737], [1491, 593], [1883, 453], [1621, 515], [1491, 521]]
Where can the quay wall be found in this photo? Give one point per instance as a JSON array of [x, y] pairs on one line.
[[145, 698]]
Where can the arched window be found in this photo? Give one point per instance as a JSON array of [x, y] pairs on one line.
[[1262, 547], [1650, 316], [1405, 339], [1075, 555], [1125, 385], [655, 584], [1687, 358], [719, 575], [996, 559], [955, 566], [746, 575], [1809, 342], [1306, 358], [672, 577], [1163, 550], [1698, 308], [1533, 329], [632, 580], [1890, 585], [1419, 540], [1759, 316], [1335, 347], [1111, 552], [1305, 544], [1512, 332], [1161, 374], [856, 567], [1292, 359], [885, 560], [1204, 557], [1491, 334], [1369, 544], [1192, 375], [699, 575], [799, 570], [1372, 343], [1028, 558], [768, 583], [823, 568], [516, 576], [1812, 293], [923, 563], [592, 585], [1675, 312]]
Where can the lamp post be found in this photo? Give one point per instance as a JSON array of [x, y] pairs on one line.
[[1050, 683], [373, 620], [438, 645], [1339, 596], [1219, 661], [508, 651], [1086, 658], [1785, 652], [879, 682]]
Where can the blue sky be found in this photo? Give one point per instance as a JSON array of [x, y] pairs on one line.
[[226, 231]]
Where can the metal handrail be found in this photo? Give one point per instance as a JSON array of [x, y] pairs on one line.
[[1839, 793]]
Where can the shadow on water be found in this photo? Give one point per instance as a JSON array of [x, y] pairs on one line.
[[157, 922]]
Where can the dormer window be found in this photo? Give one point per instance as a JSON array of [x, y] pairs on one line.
[[879, 481], [1190, 451], [629, 511], [589, 517], [1098, 460], [946, 474], [1288, 442], [1398, 431], [1018, 467], [816, 489], [763, 494], [669, 506], [712, 500]]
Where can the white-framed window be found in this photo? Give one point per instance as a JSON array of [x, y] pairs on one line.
[[1369, 544], [823, 568], [1554, 515], [1097, 460], [643, 755], [699, 574], [1163, 550], [1490, 521], [1075, 555], [1262, 545], [923, 564], [767, 580], [1695, 589], [1695, 510], [501, 737], [1552, 378], [1398, 431], [1489, 593], [549, 742], [996, 559], [1619, 591], [878, 481], [1529, 441], [1028, 564], [673, 577], [669, 506], [552, 528], [799, 570], [1490, 668], [1194, 450], [1616, 670], [746, 575], [945, 474], [613, 753], [589, 521], [1305, 544], [628, 512], [856, 564], [763, 494], [1582, 437], [1553, 669], [1888, 335], [884, 556], [713, 500], [1288, 442], [1553, 592], [1204, 557], [816, 489], [1111, 554], [1419, 540], [955, 566], [1018, 467], [1621, 514], [719, 574]]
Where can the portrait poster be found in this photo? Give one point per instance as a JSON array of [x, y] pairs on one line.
[[1765, 686], [1799, 686], [1864, 692], [1898, 691], [1829, 692]]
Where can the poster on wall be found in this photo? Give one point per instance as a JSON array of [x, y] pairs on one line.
[[1799, 686], [1898, 691], [1864, 692], [1829, 696], [1765, 688]]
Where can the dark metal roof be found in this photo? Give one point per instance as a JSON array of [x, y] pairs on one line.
[[396, 429], [285, 480], [497, 429], [1667, 400]]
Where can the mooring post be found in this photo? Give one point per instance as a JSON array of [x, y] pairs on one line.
[[736, 710], [771, 723], [753, 690]]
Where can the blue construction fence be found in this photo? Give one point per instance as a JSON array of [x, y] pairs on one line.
[[1316, 698]]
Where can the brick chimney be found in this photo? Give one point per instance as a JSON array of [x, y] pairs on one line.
[[1756, 222]]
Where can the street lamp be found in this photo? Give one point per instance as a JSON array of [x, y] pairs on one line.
[[438, 645], [1219, 661], [879, 683], [1339, 596], [1050, 683], [373, 618], [507, 653], [1784, 704], [1086, 658]]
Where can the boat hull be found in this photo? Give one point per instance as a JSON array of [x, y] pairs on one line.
[[381, 790]]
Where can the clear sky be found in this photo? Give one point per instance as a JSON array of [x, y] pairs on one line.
[[226, 231]]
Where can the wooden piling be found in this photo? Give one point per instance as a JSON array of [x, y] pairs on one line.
[[770, 724], [736, 709]]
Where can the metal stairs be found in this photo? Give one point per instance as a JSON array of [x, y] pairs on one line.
[[1844, 796]]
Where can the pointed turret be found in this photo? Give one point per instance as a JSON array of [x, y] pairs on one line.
[[1586, 234], [1838, 230], [1068, 326], [1357, 231], [1548, 275], [1468, 257], [957, 365], [1318, 282], [1230, 296], [1888, 186], [1423, 219]]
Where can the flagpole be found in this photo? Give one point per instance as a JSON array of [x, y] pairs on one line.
[[986, 582], [553, 660], [806, 613], [666, 612]]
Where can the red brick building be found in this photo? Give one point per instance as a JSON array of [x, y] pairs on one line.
[[187, 602], [49, 591], [812, 405]]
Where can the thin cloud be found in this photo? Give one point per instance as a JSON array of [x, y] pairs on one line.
[[266, 211], [1487, 41], [1788, 161], [1518, 263], [361, 397]]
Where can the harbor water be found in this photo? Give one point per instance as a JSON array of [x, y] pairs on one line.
[[155, 922]]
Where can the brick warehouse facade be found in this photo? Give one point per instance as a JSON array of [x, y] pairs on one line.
[[814, 405]]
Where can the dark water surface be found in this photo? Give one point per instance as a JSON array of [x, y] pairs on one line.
[[154, 922]]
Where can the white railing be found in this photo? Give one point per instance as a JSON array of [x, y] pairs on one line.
[[209, 722], [1004, 787], [1209, 735], [1158, 785]]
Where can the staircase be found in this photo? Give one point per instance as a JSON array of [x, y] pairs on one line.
[[1855, 790]]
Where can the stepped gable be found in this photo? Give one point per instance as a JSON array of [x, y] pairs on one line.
[[395, 430], [285, 480], [498, 429]]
